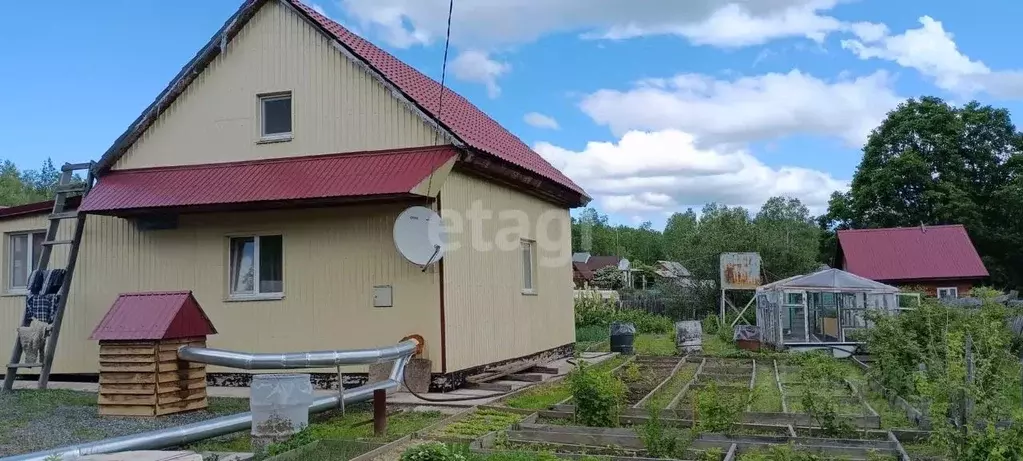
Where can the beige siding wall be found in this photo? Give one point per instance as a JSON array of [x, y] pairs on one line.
[[336, 106], [487, 316], [333, 257]]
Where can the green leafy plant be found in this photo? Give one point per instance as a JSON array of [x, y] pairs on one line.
[[598, 396], [660, 442], [631, 374], [780, 453], [716, 410], [301, 439], [821, 376], [433, 451], [710, 324]]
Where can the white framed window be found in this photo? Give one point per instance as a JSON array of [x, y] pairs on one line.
[[528, 267], [948, 293], [275, 117], [256, 265], [23, 251]]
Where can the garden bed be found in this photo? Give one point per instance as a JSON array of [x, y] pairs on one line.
[[643, 375]]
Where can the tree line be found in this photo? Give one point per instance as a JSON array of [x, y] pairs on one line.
[[18, 187], [928, 162]]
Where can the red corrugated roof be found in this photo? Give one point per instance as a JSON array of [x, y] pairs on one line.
[[911, 253], [459, 115], [298, 178], [151, 316], [581, 271], [34, 208]]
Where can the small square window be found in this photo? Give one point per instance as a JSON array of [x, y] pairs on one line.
[[22, 258], [948, 293], [257, 266], [275, 116], [528, 267]]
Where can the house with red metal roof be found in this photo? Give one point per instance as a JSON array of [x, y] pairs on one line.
[[266, 179], [941, 259]]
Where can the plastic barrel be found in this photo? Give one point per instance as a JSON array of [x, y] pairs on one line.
[[623, 336], [280, 407]]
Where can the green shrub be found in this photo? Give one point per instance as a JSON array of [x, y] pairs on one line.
[[434, 451], [594, 312], [598, 396], [658, 440], [717, 411], [821, 375], [591, 333], [711, 324]]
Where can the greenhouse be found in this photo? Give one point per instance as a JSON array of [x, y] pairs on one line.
[[827, 307]]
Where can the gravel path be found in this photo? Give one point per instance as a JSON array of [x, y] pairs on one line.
[[32, 420]]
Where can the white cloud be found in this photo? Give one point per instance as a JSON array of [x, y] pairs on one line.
[[538, 120], [477, 67], [483, 23], [932, 51], [318, 8], [650, 172], [748, 109]]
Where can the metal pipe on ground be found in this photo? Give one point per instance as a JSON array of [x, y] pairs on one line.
[[182, 435]]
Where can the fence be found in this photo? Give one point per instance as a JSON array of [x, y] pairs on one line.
[[675, 307]]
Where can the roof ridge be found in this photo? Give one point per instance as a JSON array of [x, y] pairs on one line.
[[905, 228]]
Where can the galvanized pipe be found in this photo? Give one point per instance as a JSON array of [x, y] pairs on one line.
[[182, 435], [316, 359]]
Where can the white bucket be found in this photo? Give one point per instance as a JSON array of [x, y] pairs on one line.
[[280, 407]]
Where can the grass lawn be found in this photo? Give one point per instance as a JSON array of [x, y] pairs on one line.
[[355, 425], [766, 397], [651, 344], [714, 346], [71, 417]]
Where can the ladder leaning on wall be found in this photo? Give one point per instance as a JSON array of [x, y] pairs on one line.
[[67, 187]]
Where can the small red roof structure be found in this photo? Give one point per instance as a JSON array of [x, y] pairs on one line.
[[379, 173], [910, 253], [581, 272], [154, 316]]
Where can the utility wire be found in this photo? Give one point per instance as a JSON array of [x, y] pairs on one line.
[[443, 77]]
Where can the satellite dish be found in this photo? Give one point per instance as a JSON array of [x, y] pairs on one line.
[[419, 236]]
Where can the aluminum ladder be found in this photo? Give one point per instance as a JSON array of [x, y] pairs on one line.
[[66, 187]]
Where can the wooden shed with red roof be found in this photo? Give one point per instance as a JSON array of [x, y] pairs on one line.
[[266, 179], [941, 259], [139, 370]]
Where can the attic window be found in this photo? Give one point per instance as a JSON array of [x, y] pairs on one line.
[[275, 117]]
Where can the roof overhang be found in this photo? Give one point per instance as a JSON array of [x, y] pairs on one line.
[[320, 180]]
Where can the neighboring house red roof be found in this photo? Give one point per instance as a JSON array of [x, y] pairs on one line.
[[599, 262], [911, 253], [581, 271], [461, 118], [151, 316], [379, 173], [34, 208]]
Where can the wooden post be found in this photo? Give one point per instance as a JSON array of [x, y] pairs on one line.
[[380, 412]]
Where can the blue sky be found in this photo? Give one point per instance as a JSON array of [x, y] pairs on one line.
[[659, 105]]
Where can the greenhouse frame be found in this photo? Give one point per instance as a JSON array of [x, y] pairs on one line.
[[825, 308]]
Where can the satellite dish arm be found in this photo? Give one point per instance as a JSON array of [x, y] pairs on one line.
[[436, 249]]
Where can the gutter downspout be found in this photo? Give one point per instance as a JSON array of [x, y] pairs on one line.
[[182, 435]]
